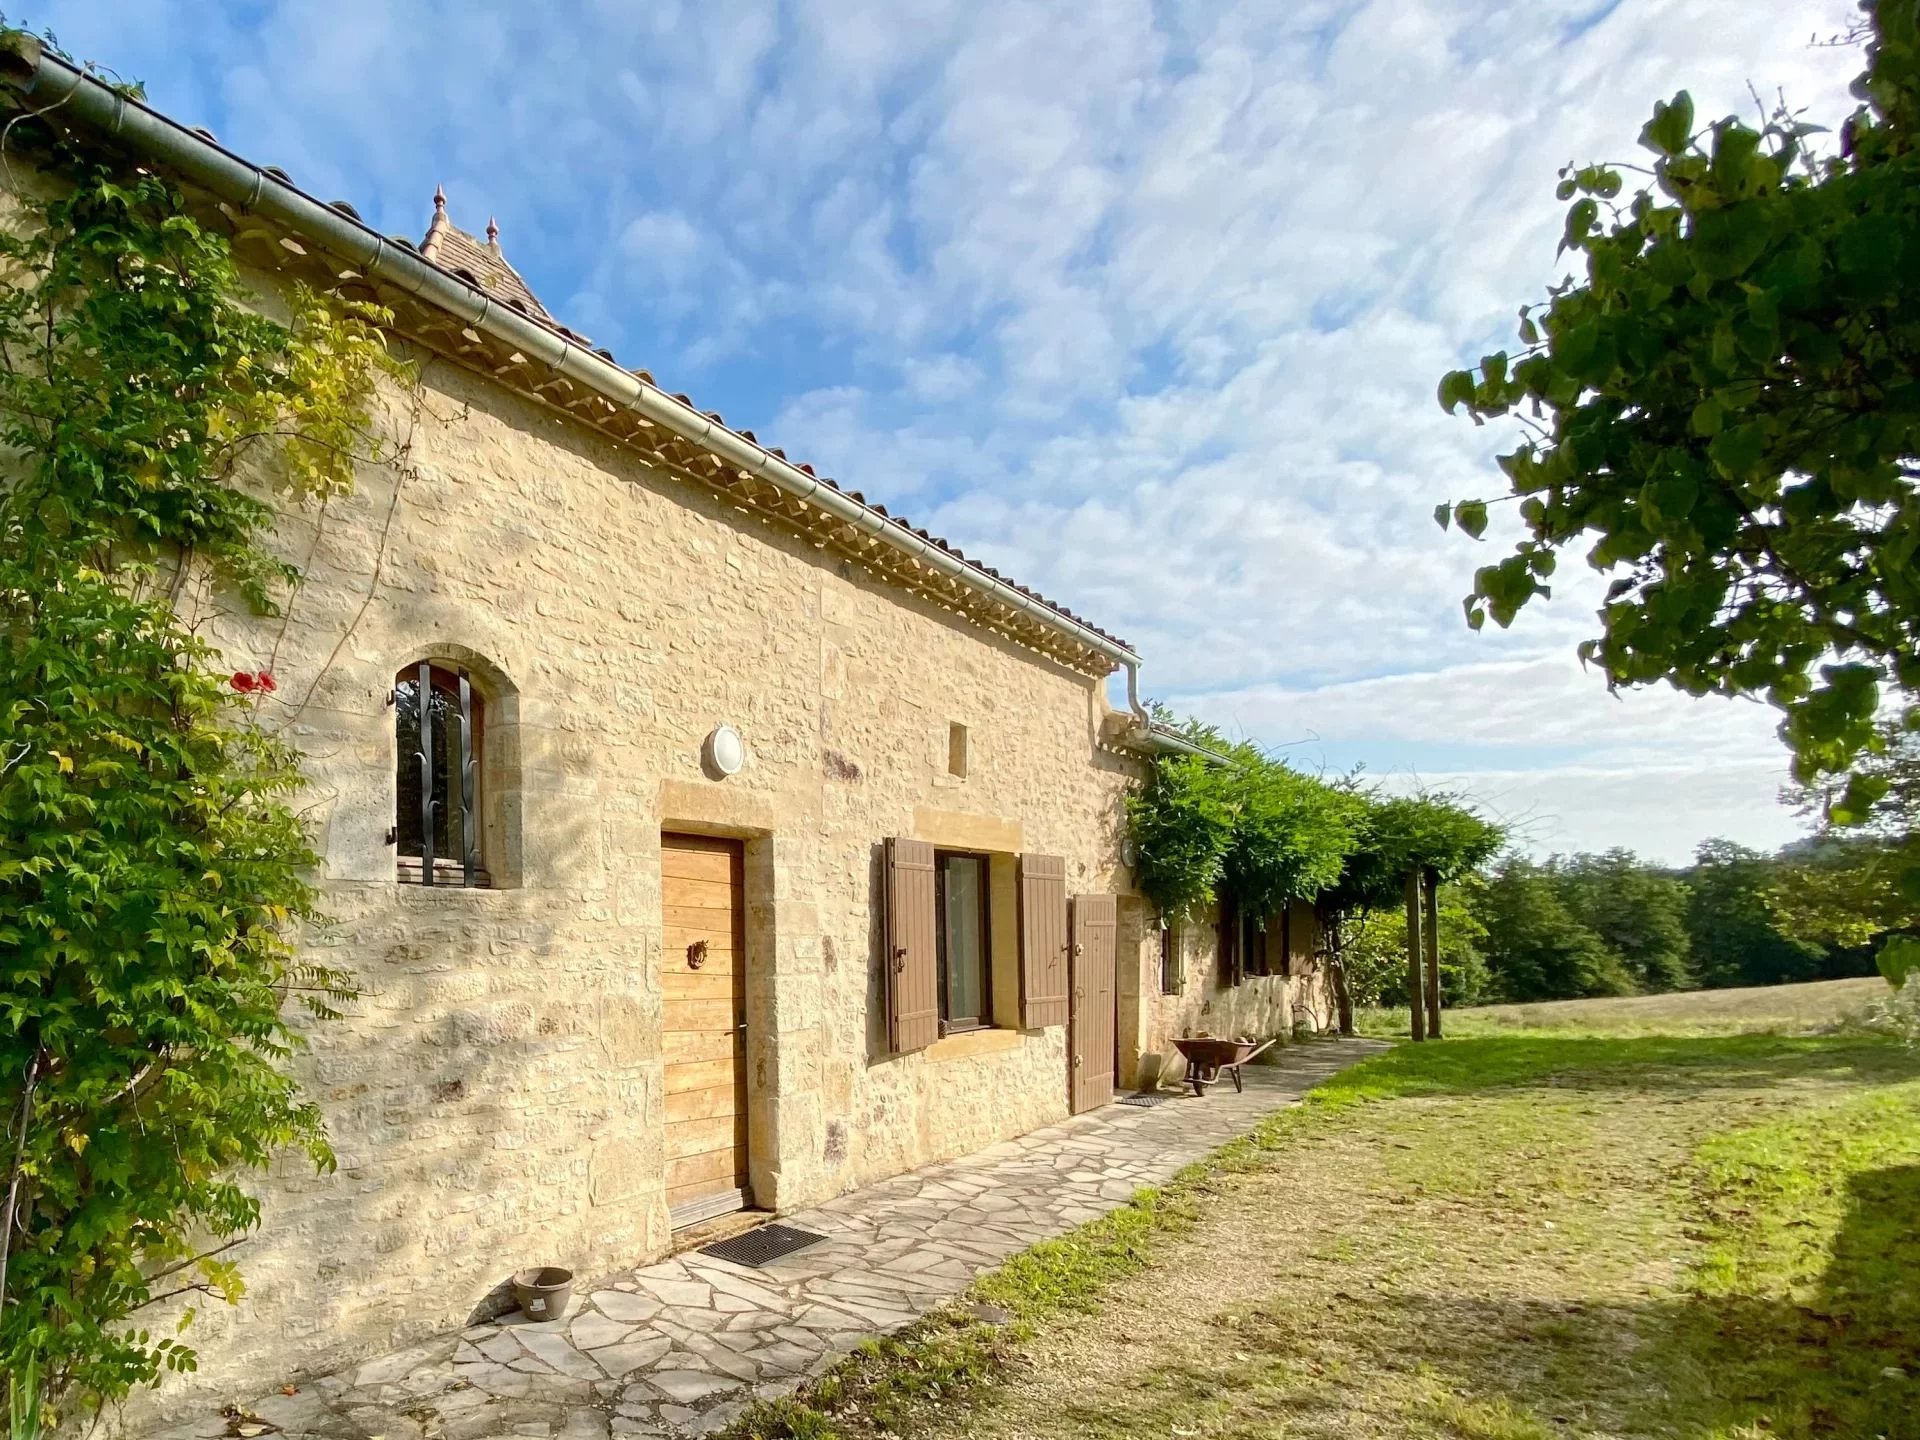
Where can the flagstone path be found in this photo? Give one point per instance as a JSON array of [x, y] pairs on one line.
[[679, 1348]]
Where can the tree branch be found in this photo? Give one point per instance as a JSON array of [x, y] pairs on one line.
[[8, 1212]]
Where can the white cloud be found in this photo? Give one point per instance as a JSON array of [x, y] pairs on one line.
[[1148, 312], [940, 378]]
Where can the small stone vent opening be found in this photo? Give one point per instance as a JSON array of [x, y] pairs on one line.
[[957, 750]]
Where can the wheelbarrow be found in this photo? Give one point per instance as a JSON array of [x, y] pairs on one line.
[[1207, 1057]]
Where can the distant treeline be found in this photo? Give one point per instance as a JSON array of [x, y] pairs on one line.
[[1612, 924]]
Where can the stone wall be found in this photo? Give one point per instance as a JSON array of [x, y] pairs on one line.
[[495, 1095]]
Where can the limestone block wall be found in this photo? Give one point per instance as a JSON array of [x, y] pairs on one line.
[[495, 1094]]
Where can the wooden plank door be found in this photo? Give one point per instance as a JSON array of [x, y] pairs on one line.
[[1094, 1023], [704, 1023]]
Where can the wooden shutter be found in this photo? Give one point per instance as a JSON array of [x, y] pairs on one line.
[[912, 958], [1043, 941], [1090, 1037]]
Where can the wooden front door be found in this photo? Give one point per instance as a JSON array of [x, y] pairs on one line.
[[1093, 1023], [704, 1020]]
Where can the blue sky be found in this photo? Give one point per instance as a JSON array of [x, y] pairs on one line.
[[1142, 302]]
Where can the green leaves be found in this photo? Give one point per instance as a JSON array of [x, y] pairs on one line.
[[1863, 792], [1724, 413], [1738, 451], [1671, 128], [1269, 834], [1582, 216], [1728, 242], [1738, 167], [1899, 959], [1181, 824], [1456, 389]]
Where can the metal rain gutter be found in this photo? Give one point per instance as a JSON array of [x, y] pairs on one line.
[[1153, 736], [51, 85]]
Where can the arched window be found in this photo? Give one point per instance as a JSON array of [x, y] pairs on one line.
[[440, 722]]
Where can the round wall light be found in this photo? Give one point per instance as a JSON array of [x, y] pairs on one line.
[[726, 752]]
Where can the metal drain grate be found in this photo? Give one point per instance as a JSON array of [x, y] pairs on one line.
[[762, 1246], [1145, 1102]]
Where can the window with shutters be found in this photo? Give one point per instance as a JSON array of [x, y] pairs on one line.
[[1253, 945], [1171, 980], [964, 932]]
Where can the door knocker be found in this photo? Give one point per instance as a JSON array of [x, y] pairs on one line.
[[696, 954]]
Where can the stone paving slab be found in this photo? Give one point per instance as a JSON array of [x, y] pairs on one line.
[[681, 1347]]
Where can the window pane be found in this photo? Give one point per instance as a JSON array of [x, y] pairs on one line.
[[448, 832], [407, 736], [966, 943]]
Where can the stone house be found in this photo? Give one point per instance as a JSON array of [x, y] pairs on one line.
[[700, 834]]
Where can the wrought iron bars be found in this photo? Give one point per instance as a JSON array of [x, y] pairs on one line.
[[423, 697], [430, 736], [469, 830]]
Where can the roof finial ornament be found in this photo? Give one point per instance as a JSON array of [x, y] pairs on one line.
[[493, 232], [439, 200]]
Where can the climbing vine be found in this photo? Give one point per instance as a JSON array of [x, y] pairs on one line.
[[153, 866], [1249, 824], [1181, 825]]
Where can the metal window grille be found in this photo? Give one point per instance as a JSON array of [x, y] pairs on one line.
[[437, 711]]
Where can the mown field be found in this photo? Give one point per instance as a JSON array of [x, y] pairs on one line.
[[1821, 1004], [1515, 1233]]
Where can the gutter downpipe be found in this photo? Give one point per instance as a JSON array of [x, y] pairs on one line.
[[1150, 735], [52, 84]]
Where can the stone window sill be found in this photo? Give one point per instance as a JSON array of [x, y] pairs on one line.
[[984, 1041], [447, 875]]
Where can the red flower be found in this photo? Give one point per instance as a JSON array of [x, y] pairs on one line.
[[242, 681], [265, 681]]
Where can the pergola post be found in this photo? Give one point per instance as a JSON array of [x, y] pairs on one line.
[[1432, 929], [1416, 998]]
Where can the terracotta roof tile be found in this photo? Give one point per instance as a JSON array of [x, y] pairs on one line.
[[481, 264]]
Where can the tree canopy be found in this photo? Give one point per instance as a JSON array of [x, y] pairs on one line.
[[1267, 834], [1724, 410]]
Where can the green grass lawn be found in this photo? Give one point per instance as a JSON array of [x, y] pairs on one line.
[[1816, 1005], [1505, 1235]]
